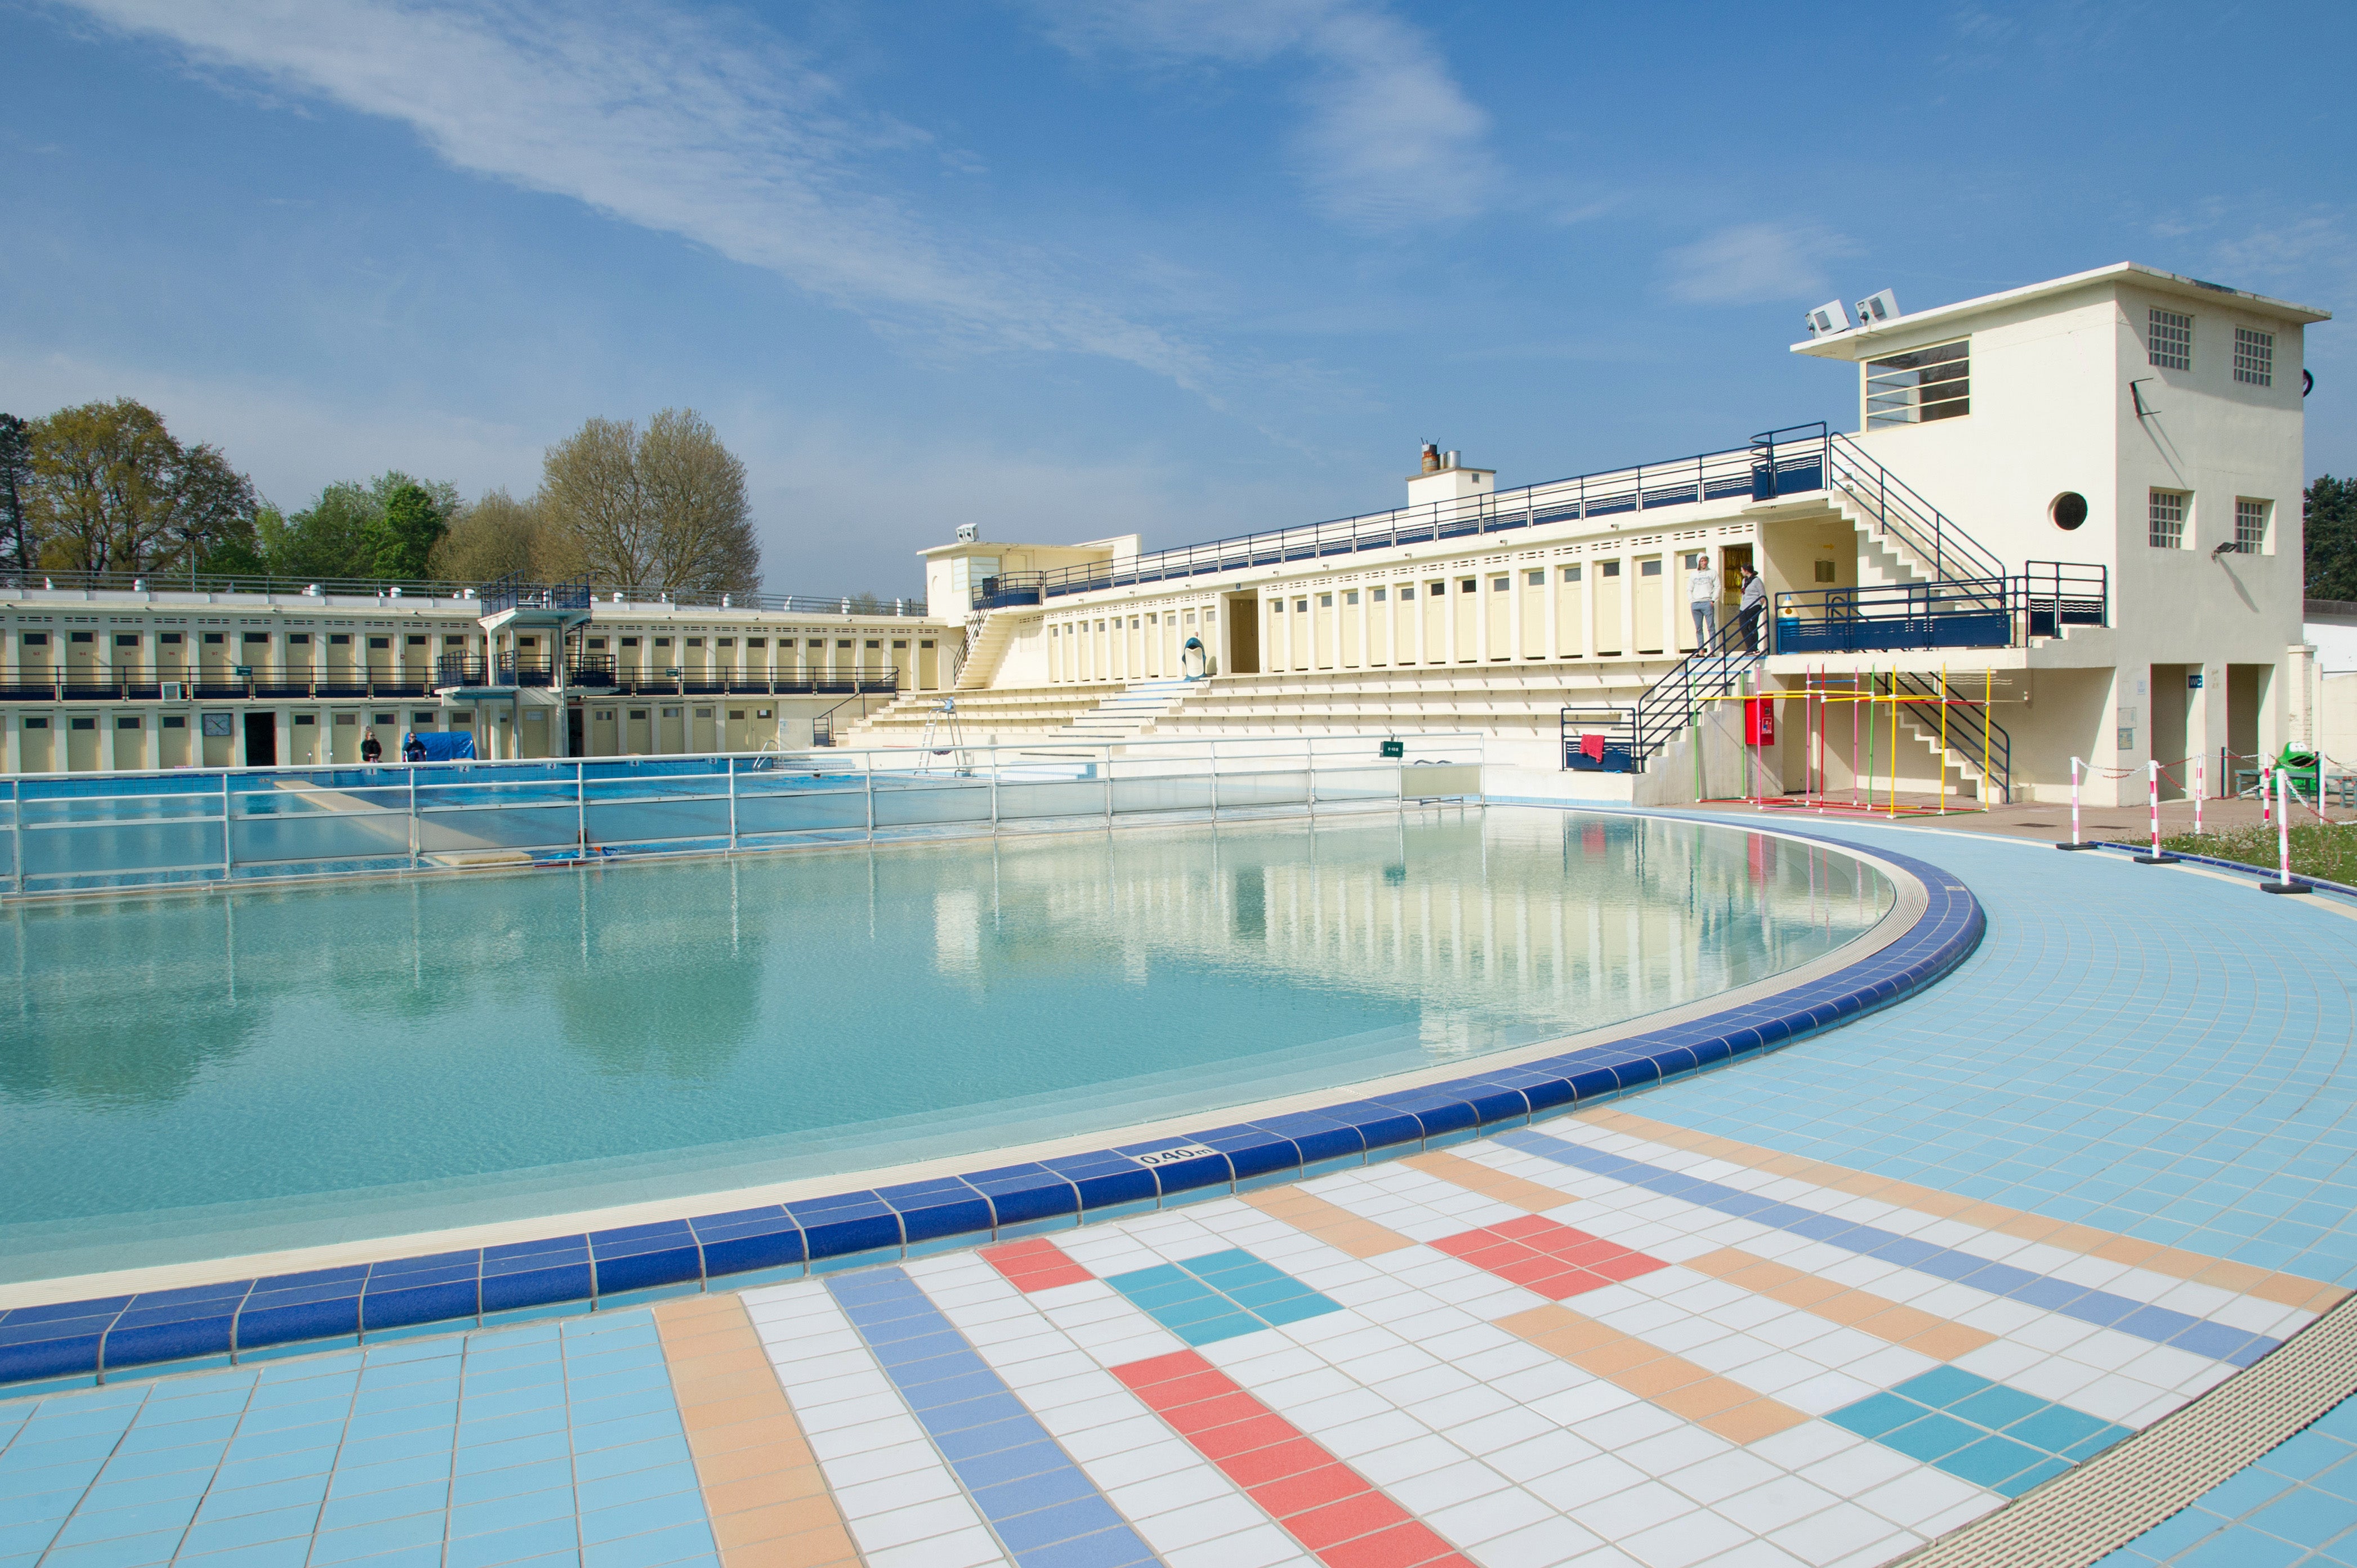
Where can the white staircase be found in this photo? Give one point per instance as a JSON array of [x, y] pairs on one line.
[[986, 648], [1128, 712]]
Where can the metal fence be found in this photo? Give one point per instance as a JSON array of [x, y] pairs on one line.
[[69, 832], [186, 587]]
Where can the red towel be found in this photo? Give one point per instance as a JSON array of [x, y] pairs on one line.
[[1591, 747]]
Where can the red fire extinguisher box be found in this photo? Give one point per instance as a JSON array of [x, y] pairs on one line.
[[1759, 721]]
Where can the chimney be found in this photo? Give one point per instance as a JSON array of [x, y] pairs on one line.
[[1431, 458]]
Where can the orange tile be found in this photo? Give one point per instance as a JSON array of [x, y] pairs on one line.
[[1946, 1341], [1750, 1422], [768, 1501], [1329, 1223], [1474, 1176]]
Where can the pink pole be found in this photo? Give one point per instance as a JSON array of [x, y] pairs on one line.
[[2267, 796], [2200, 787], [2076, 836], [2283, 829], [2152, 787]]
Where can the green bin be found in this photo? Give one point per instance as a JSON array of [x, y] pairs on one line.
[[2303, 767]]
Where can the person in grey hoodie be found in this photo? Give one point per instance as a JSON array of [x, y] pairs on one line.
[[1701, 596], [1753, 607]]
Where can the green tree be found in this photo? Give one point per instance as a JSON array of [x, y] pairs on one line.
[[501, 536], [112, 490], [2329, 539], [665, 508], [403, 535], [15, 478]]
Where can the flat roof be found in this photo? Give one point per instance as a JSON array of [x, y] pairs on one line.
[[1851, 344]]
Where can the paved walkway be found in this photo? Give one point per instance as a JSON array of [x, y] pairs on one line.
[[1818, 1309]]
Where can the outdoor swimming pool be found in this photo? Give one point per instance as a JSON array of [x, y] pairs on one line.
[[188, 1076]]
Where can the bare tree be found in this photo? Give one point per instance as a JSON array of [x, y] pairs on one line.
[[500, 536], [665, 509]]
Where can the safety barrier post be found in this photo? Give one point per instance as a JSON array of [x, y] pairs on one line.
[[2078, 840], [2200, 787], [730, 764], [2267, 796], [2152, 789], [2283, 883]]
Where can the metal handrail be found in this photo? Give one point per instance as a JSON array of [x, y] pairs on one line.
[[1953, 554], [1968, 721], [1678, 481], [1672, 703], [307, 683]]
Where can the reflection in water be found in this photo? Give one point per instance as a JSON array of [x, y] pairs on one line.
[[507, 1039]]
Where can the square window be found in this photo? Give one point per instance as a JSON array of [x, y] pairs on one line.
[[1611, 568], [2170, 342], [133, 724], [417, 642], [2254, 357], [1379, 594], [1571, 573], [176, 721], [2250, 525], [1325, 601], [663, 642], [1537, 578], [373, 641], [1499, 585], [1350, 597], [130, 640], [1825, 573], [1408, 590], [299, 640], [1648, 568], [1467, 586], [2167, 519]]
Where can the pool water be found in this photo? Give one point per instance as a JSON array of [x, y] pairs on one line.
[[195, 1075]]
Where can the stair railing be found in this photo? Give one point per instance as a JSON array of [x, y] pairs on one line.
[[1953, 554], [1674, 701], [1971, 732]]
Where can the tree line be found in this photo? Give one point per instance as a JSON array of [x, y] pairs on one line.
[[105, 487]]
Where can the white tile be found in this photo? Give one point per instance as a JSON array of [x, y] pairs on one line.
[[1550, 1543], [1341, 1412], [1203, 1521], [1807, 1444], [1630, 1423], [1911, 1501], [1418, 1455], [1263, 1546], [1583, 1400], [1684, 1542], [1673, 1450], [892, 1492], [876, 1464], [851, 1413], [1722, 1475], [1465, 1405], [1541, 1455], [1170, 1492], [1355, 1438], [1502, 1429], [1834, 1533], [1632, 1510], [941, 1516], [1858, 1469], [959, 1549], [1770, 1507], [1446, 1488], [864, 1438], [1489, 1517], [1137, 1462]]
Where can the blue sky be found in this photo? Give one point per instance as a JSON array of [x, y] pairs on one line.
[[1186, 267]]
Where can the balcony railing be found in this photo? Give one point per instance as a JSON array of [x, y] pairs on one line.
[[1780, 462], [1973, 612], [178, 586], [594, 674]]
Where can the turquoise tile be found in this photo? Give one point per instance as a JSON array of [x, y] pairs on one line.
[[650, 1551], [297, 1491], [351, 1480], [291, 1551], [518, 1544], [648, 1514], [1989, 1462], [395, 1503], [2304, 1517], [110, 1524], [417, 1530], [2057, 1427], [503, 1513], [252, 1529], [117, 1551], [1932, 1438], [510, 1480], [1876, 1414], [1998, 1408]]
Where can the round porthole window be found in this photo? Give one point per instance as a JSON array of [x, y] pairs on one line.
[[2068, 510]]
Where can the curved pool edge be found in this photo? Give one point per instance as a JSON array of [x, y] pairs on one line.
[[152, 1333]]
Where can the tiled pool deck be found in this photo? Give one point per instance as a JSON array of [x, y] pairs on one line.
[[1817, 1308]]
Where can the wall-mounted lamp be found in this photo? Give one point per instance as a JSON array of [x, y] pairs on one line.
[[2136, 396]]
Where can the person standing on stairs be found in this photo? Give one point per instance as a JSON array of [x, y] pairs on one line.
[[1753, 608], [1702, 595]]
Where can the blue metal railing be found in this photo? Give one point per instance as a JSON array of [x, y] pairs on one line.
[[176, 587], [1758, 471], [1971, 612]]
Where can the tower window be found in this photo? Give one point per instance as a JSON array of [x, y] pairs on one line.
[[2250, 526], [2255, 358], [1919, 385], [2170, 342], [2167, 514]]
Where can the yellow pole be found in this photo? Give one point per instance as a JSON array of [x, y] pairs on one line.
[[1988, 690], [1894, 741]]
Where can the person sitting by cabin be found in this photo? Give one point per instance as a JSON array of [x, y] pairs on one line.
[[412, 748], [372, 749]]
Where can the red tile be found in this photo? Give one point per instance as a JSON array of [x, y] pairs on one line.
[[1528, 1227], [1346, 1520], [1186, 1390], [1275, 1462], [1141, 1375], [1035, 1264], [1243, 1436], [1330, 1483], [1409, 1545], [1204, 1415], [1628, 1267]]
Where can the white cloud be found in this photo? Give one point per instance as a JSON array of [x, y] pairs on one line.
[[1388, 140], [1753, 263], [666, 122]]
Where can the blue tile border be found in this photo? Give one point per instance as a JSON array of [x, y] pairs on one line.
[[74, 1344]]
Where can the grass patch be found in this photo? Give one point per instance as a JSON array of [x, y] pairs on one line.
[[2318, 849]]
